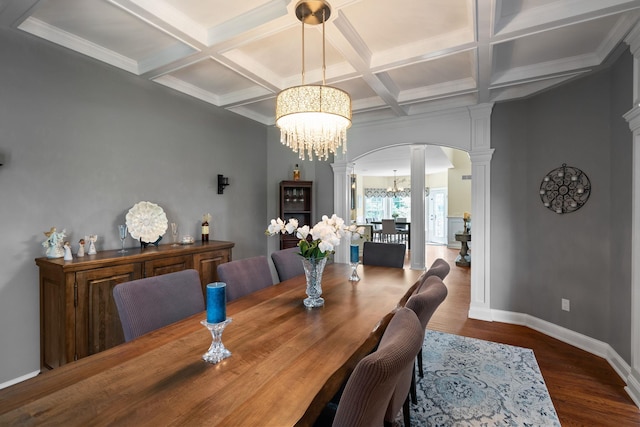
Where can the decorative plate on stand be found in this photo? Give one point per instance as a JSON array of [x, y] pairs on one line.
[[147, 222]]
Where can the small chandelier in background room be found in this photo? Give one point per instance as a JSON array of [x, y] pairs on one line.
[[313, 118], [395, 189]]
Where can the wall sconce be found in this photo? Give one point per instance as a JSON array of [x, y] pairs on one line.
[[223, 181]]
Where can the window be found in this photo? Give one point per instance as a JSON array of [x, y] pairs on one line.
[[378, 204]]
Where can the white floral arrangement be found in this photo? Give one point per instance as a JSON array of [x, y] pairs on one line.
[[325, 235], [146, 221]]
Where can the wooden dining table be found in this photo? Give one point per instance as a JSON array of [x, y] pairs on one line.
[[286, 361]]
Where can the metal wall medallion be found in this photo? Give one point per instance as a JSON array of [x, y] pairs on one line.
[[565, 189]]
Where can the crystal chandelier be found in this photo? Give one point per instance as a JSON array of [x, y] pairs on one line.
[[313, 118]]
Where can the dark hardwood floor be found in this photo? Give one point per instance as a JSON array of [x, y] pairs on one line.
[[584, 388]]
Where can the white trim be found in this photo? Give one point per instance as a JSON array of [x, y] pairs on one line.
[[418, 160], [633, 118], [341, 193], [19, 379], [633, 389]]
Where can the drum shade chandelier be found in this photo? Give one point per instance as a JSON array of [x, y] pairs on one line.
[[313, 118]]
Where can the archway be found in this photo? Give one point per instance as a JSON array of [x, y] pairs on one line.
[[467, 129], [447, 171]]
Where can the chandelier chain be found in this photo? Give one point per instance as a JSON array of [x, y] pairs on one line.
[[324, 65], [303, 71]]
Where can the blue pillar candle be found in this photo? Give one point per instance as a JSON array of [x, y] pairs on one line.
[[355, 254], [216, 302]]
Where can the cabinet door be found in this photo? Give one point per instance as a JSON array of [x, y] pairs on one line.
[[157, 267], [97, 322], [57, 319], [207, 265]]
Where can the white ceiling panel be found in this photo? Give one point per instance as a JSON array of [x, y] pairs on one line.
[[398, 58]]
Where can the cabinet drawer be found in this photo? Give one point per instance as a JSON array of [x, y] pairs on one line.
[[172, 264]]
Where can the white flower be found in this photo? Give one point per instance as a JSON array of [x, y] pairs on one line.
[[276, 226], [291, 226], [325, 235], [302, 232]]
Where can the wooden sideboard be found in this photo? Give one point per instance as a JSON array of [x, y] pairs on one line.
[[78, 316]]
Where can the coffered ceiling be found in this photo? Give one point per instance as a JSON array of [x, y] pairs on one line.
[[395, 58]]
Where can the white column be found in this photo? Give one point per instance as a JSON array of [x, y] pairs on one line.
[[633, 118], [417, 207], [480, 155], [341, 205]]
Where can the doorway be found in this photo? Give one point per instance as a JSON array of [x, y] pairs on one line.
[[436, 216]]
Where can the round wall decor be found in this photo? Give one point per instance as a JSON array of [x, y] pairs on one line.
[[565, 189]]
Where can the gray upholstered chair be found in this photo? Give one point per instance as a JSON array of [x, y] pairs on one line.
[[245, 276], [424, 303], [389, 231], [439, 268], [403, 230], [147, 304], [384, 254], [368, 391], [288, 263]]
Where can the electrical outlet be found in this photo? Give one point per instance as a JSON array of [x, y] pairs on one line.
[[565, 305]]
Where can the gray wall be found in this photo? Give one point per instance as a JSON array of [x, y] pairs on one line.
[[83, 143], [539, 257], [281, 161], [621, 78]]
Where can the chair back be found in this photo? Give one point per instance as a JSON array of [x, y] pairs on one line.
[[428, 298], [423, 304], [368, 391], [245, 276], [402, 228], [147, 304], [383, 254], [439, 268], [389, 226], [288, 263]]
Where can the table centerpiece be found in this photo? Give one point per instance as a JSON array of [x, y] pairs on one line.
[[315, 246]]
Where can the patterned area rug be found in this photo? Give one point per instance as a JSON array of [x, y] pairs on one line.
[[471, 382]]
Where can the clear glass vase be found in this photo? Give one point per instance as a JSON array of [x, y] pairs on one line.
[[313, 268]]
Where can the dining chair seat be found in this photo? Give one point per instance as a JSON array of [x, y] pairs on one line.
[[147, 304], [245, 276]]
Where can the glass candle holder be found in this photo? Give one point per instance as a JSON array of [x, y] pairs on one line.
[[217, 350], [355, 259]]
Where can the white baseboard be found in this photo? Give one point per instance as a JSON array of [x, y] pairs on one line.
[[633, 389], [19, 379], [480, 313], [576, 339]]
